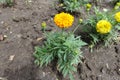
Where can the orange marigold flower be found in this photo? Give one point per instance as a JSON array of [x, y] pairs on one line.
[[63, 20]]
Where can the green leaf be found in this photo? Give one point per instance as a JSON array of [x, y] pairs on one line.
[[71, 76], [61, 68], [73, 68], [2, 1], [38, 49], [66, 72], [65, 56], [95, 38], [118, 27]]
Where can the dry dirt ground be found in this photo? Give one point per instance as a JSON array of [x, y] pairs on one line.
[[21, 27]]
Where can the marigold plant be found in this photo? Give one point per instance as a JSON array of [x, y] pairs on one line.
[[117, 16], [63, 20], [61, 46], [103, 26]]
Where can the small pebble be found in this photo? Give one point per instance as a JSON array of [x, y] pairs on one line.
[[1, 38], [10, 32], [43, 74], [39, 39], [1, 78], [11, 57], [19, 35], [2, 22], [5, 36]]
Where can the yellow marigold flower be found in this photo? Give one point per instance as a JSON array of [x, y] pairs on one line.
[[117, 16], [103, 27], [63, 20]]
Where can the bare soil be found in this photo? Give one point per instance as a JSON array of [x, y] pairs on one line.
[[20, 26]]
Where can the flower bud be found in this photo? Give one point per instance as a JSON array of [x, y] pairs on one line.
[[116, 7], [60, 5], [43, 25], [80, 20], [118, 4], [88, 6]]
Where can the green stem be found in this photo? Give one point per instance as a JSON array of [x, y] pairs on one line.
[[43, 30], [76, 28], [62, 31]]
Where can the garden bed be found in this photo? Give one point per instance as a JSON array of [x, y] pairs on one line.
[[20, 27]]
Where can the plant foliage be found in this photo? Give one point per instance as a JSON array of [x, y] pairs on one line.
[[8, 2], [73, 5], [64, 47], [89, 26]]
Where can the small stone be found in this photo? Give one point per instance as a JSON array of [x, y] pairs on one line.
[[5, 36], [11, 57], [1, 78], [107, 66], [39, 39], [19, 35], [44, 74], [2, 22], [118, 70], [39, 7], [7, 28], [11, 32], [1, 38]]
